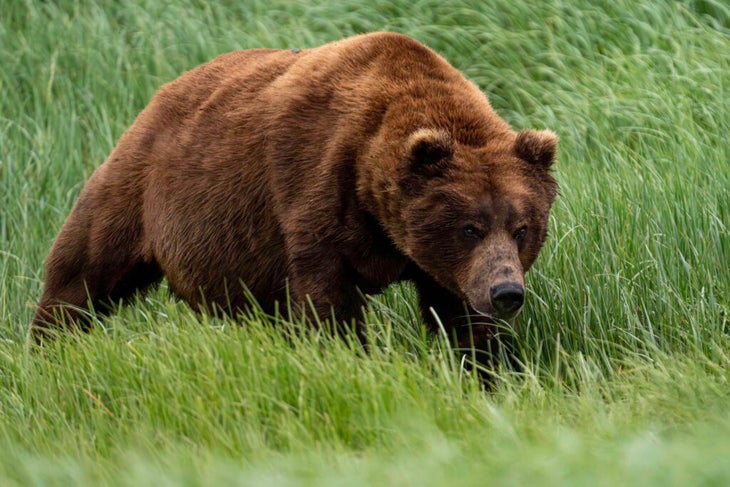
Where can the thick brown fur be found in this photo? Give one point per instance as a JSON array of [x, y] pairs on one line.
[[331, 172]]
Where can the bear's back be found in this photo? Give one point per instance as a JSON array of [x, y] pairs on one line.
[[378, 64]]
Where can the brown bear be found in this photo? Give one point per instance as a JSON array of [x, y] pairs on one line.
[[328, 173]]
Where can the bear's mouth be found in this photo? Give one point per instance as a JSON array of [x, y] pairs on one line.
[[493, 315]]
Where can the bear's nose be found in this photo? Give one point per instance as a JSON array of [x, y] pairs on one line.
[[507, 298]]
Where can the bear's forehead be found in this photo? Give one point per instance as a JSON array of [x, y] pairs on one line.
[[494, 181], [500, 206], [489, 195]]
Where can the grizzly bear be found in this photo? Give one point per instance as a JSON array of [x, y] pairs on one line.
[[326, 173]]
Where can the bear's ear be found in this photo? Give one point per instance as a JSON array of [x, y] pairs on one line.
[[537, 147], [429, 150]]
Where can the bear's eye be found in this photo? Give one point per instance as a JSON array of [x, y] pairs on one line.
[[520, 235], [473, 233]]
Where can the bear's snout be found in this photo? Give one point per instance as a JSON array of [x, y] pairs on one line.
[[496, 285], [502, 301], [507, 299]]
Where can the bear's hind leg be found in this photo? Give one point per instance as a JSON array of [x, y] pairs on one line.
[[95, 262]]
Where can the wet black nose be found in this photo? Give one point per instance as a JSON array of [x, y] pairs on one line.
[[507, 298]]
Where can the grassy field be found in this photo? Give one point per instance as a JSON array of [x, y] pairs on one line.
[[626, 336]]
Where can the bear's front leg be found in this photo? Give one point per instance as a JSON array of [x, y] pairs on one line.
[[470, 334], [317, 273]]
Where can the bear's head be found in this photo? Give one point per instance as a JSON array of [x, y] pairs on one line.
[[475, 217]]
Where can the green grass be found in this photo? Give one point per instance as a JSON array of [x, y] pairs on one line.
[[626, 337]]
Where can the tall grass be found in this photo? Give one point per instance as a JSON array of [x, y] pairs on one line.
[[625, 341]]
